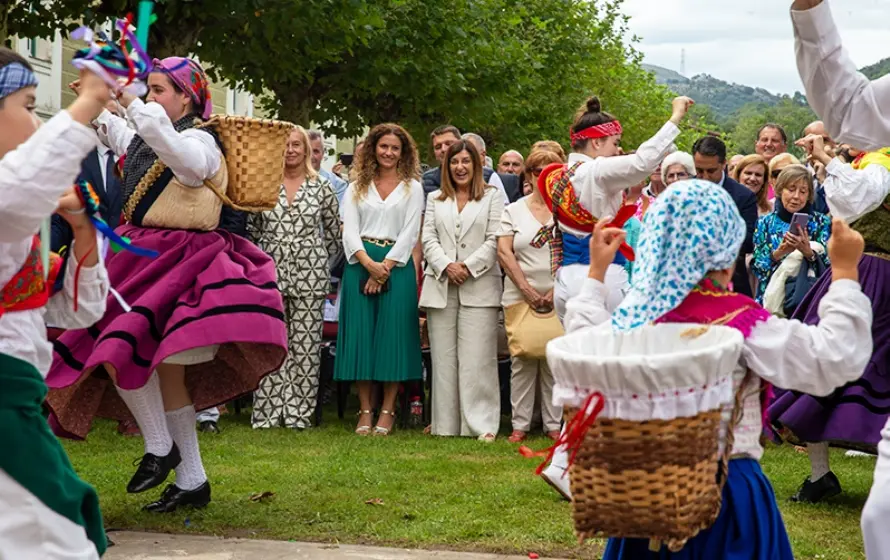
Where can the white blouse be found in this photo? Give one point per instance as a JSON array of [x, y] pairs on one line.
[[32, 178], [853, 193], [853, 108], [813, 359], [519, 222], [395, 219], [192, 154], [600, 183]]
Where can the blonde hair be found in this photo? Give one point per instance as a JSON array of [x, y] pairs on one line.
[[793, 174], [763, 194], [366, 159], [784, 157], [550, 146], [310, 171]]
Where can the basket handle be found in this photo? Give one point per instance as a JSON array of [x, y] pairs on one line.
[[225, 199]]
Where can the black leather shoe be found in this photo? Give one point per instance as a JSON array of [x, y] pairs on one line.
[[814, 492], [153, 471], [209, 427], [173, 497]]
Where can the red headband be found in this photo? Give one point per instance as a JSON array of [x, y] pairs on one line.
[[612, 128]]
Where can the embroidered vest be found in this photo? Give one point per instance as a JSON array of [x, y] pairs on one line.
[[875, 227], [30, 288]]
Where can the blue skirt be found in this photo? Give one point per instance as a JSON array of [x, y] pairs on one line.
[[749, 526]]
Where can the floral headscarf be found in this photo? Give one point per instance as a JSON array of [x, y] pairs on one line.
[[691, 229], [190, 78]]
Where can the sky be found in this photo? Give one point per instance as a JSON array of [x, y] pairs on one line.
[[749, 42]]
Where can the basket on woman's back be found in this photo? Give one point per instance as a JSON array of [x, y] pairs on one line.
[[650, 411]]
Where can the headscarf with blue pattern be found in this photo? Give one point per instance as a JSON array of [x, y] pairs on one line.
[[691, 229]]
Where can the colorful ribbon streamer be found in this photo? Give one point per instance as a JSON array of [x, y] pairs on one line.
[[114, 61]]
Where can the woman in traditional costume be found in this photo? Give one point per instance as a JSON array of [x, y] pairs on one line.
[[197, 326], [688, 249], [590, 187], [46, 511]]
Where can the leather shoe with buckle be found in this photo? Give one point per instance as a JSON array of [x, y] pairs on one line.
[[153, 471], [173, 497]]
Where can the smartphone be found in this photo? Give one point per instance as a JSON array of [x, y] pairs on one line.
[[799, 222], [346, 159]]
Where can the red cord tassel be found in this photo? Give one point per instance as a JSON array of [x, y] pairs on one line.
[[573, 436], [77, 274]]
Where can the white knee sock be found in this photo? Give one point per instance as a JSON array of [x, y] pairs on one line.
[[190, 472], [818, 453], [147, 406], [561, 455]]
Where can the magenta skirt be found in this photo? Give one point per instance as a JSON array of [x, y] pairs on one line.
[[205, 289]]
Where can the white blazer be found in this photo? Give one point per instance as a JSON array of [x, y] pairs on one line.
[[469, 237]]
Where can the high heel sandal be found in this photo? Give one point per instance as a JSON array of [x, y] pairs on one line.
[[381, 431], [363, 430]]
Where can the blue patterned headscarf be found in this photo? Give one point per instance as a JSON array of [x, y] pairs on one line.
[[15, 76], [691, 229]]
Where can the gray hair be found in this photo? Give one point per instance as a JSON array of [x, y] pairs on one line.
[[315, 135], [512, 153], [683, 159], [476, 139]]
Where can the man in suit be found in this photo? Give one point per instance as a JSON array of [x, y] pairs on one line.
[[443, 138], [709, 154], [98, 168]]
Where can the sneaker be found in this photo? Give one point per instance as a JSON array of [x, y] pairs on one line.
[[814, 492], [558, 478]]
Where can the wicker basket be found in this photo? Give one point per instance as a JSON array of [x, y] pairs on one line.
[[653, 464], [254, 150]]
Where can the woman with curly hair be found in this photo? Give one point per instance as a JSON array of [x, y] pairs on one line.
[[379, 335]]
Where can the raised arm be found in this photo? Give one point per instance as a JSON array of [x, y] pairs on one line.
[[853, 108], [114, 132], [192, 155]]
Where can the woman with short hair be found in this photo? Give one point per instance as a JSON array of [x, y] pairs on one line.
[[678, 166]]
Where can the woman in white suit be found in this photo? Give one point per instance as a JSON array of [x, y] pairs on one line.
[[462, 289]]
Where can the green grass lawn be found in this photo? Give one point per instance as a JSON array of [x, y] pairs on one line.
[[451, 493]]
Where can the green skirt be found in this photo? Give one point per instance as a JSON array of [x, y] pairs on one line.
[[378, 338], [35, 458]]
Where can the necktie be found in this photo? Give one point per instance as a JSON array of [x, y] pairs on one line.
[[109, 170]]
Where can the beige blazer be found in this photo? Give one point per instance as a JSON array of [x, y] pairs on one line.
[[468, 237]]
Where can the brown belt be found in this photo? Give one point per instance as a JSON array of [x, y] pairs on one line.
[[884, 256], [379, 242]]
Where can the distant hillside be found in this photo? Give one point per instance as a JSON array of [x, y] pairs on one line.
[[877, 69], [723, 97]]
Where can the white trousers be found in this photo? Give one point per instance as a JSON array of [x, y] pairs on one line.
[[569, 280], [526, 375], [31, 531], [466, 397], [876, 514]]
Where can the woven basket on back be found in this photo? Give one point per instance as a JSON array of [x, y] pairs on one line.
[[255, 160], [638, 475]]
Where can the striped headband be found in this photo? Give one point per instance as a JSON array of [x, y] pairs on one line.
[[14, 77], [612, 128]]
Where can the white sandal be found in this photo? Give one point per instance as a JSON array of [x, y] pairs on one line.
[[381, 431]]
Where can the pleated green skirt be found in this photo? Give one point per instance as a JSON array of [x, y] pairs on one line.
[[378, 338]]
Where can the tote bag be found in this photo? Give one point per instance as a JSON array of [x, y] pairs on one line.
[[529, 330]]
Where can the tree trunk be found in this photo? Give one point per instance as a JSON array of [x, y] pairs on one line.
[[295, 105], [5, 6]]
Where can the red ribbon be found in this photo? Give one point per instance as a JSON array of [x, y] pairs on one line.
[[612, 128], [627, 212], [77, 273], [573, 436]]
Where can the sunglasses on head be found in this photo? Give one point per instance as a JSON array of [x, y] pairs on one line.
[[775, 174]]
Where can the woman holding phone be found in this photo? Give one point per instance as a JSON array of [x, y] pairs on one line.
[[792, 226]]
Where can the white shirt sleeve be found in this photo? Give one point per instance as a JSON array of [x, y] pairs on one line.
[[114, 132], [496, 182], [853, 193], [815, 359], [853, 108], [410, 232], [614, 174], [588, 308], [38, 172], [192, 155], [352, 220], [92, 293]]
